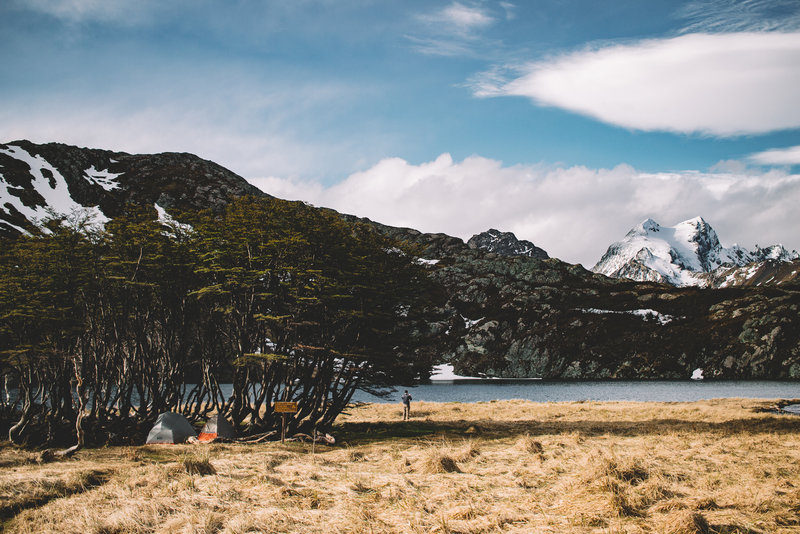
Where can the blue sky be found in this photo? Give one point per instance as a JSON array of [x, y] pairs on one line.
[[565, 121]]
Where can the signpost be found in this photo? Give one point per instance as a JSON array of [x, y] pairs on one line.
[[284, 408]]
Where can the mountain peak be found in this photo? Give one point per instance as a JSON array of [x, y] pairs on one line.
[[697, 222], [679, 254], [36, 179], [646, 227], [777, 252], [505, 244], [650, 224]]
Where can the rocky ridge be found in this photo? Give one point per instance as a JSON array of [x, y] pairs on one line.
[[527, 317], [505, 244]]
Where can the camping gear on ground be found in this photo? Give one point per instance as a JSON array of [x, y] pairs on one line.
[[171, 427], [217, 427]]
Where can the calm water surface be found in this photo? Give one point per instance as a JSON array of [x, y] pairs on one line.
[[600, 390]]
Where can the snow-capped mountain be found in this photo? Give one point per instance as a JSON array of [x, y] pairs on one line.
[[680, 255], [505, 244], [37, 181]]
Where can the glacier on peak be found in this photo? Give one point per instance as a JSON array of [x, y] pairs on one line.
[[679, 255]]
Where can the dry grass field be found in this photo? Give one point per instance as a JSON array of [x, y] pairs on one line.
[[724, 466]]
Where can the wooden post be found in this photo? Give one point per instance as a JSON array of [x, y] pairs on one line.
[[284, 408]]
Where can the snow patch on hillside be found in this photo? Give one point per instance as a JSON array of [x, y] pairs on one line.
[[469, 323], [447, 372], [105, 179], [645, 314], [48, 182], [168, 220]]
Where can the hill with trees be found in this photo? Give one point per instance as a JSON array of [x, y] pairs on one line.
[[136, 284]]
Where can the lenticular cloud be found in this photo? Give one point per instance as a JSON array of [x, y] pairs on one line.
[[718, 84], [778, 156]]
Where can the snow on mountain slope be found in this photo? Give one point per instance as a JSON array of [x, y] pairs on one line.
[[48, 192], [679, 255], [39, 180], [763, 273]]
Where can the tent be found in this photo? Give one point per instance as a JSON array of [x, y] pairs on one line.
[[171, 427], [217, 427]]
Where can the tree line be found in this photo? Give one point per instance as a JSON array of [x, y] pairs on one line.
[[103, 329]]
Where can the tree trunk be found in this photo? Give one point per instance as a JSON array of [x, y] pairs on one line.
[[24, 419], [81, 433]]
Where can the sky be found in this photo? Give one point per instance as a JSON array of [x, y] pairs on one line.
[[566, 122]]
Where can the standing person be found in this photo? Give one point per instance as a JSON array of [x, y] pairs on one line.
[[406, 405]]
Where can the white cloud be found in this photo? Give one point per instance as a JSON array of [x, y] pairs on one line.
[[740, 15], [510, 9], [777, 156], [454, 30], [124, 11], [574, 213], [717, 84], [459, 18]]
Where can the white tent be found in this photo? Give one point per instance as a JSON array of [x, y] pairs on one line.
[[217, 427], [171, 427]]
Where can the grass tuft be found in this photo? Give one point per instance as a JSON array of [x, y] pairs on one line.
[[197, 465], [467, 452], [526, 443], [630, 470], [355, 456], [686, 522], [438, 461]]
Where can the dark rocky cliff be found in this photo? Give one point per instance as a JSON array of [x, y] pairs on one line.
[[527, 317]]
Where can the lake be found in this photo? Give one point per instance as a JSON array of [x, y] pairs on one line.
[[484, 390], [473, 390]]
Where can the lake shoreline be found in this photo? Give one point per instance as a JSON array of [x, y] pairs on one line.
[[472, 390]]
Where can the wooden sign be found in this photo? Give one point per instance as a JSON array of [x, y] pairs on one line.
[[285, 407]]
